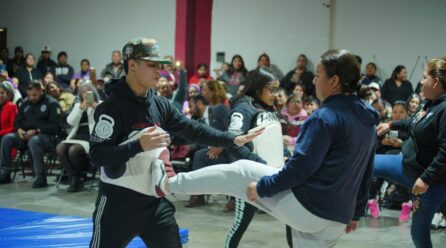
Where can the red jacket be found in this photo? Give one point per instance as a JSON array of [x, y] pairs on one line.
[[8, 114]]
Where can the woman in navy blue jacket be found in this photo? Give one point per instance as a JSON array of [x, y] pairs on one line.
[[321, 192]]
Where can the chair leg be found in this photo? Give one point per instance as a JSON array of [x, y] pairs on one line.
[[60, 178], [93, 179]]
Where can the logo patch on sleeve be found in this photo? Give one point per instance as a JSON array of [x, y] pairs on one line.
[[236, 121], [104, 127]]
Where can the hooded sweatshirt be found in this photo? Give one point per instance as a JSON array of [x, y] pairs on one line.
[[123, 113], [332, 164]]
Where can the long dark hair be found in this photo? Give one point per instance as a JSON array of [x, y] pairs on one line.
[[397, 70], [345, 65], [257, 79], [242, 68]]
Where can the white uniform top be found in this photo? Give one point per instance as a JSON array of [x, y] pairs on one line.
[[138, 169]]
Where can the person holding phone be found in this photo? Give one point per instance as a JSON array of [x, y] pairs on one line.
[[421, 165], [73, 151]]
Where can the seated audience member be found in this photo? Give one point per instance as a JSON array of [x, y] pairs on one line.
[[4, 56], [13, 94], [376, 88], [202, 73], [264, 61], [384, 109], [413, 104], [177, 97], [73, 152], [8, 111], [215, 93], [219, 71], [397, 88], [192, 91], [366, 94], [235, 76], [299, 90], [392, 144], [48, 78], [37, 125], [171, 72], [65, 99], [292, 118], [27, 73], [281, 99], [370, 75], [217, 117], [15, 63], [63, 72], [311, 104], [439, 220], [45, 63], [81, 76], [301, 75], [115, 69]]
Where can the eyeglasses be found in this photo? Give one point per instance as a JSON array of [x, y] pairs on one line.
[[273, 91]]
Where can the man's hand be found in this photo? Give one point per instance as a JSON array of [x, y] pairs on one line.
[[251, 191], [21, 133], [29, 134], [214, 152], [420, 187], [351, 227], [243, 139], [154, 138]]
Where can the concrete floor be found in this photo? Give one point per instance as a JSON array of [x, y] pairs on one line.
[[208, 224]]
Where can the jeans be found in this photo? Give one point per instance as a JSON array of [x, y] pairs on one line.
[[391, 168], [36, 145]]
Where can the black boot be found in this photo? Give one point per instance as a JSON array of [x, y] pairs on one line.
[[5, 177], [75, 184], [39, 182]]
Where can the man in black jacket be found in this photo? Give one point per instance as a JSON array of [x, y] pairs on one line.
[[37, 125], [46, 64], [122, 211]]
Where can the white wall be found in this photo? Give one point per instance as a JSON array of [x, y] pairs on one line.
[[396, 32], [87, 28], [283, 29]]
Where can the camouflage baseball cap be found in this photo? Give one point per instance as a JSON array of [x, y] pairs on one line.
[[143, 49]]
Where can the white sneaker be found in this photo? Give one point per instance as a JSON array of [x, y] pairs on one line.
[[436, 221]]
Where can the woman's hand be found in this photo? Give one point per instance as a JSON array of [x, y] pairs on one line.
[[251, 191], [420, 187], [383, 128], [84, 105], [243, 139]]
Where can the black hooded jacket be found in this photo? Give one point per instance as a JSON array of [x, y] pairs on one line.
[[123, 112]]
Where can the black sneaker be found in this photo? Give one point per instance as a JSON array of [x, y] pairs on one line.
[[5, 178], [39, 183]]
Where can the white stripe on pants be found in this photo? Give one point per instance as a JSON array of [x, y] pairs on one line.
[[97, 223], [232, 179]]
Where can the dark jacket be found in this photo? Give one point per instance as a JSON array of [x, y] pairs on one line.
[[110, 72], [45, 66], [424, 153], [43, 115], [330, 170], [123, 112], [392, 93], [246, 114], [14, 65], [63, 74], [24, 77], [306, 80], [219, 117]]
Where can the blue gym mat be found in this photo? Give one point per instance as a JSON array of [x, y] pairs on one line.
[[19, 228]]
